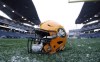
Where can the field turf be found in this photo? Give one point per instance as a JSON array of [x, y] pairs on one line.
[[77, 50]]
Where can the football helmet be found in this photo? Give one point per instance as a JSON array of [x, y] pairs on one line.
[[49, 38]]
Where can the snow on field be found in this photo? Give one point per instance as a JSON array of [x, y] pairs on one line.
[[23, 59]]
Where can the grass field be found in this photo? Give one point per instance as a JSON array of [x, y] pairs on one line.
[[77, 50]]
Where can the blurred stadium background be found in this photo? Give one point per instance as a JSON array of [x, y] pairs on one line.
[[90, 18], [83, 44], [21, 23]]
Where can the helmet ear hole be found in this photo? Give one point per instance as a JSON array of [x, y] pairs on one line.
[[59, 42], [54, 46], [49, 25]]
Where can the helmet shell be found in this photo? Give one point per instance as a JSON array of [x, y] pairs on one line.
[[57, 43]]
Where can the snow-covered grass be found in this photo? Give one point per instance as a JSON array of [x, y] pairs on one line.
[[77, 50]]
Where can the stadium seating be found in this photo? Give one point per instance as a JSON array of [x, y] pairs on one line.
[[91, 35], [15, 35], [7, 32], [91, 26]]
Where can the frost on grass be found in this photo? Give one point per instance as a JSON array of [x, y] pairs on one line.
[[77, 50], [87, 55], [23, 59], [89, 47], [78, 45]]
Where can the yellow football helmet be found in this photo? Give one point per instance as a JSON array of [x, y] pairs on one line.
[[49, 38]]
